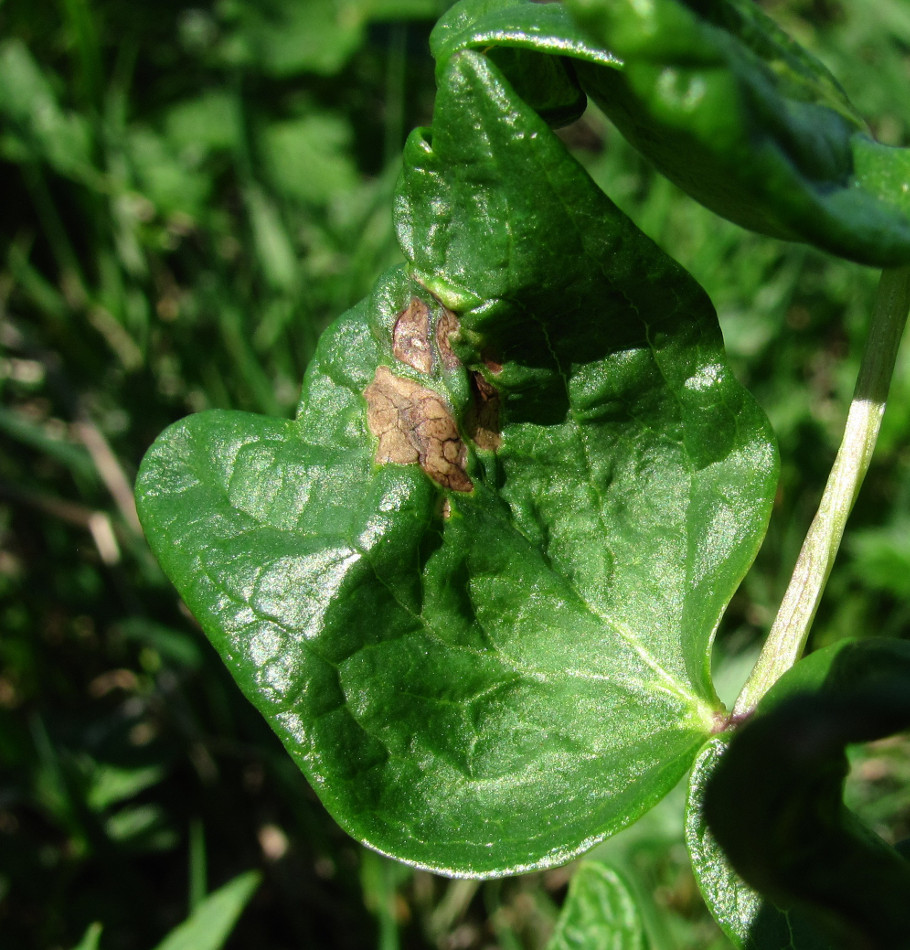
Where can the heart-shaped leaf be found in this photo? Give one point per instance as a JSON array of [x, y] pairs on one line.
[[474, 584]]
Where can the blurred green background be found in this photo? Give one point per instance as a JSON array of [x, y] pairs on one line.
[[189, 194]]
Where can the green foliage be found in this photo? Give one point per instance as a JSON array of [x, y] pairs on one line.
[[480, 729], [748, 918], [288, 540], [790, 834], [741, 117], [190, 195], [208, 927], [599, 911]]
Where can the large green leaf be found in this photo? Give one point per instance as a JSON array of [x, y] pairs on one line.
[[773, 801], [736, 113], [474, 584]]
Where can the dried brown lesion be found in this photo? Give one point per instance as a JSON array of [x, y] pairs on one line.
[[482, 422], [413, 344], [492, 362], [411, 337], [446, 328], [414, 424]]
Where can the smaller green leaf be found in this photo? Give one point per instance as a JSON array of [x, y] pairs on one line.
[[600, 911], [209, 926], [808, 676], [775, 799], [740, 116], [748, 919]]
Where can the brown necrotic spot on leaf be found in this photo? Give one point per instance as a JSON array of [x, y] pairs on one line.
[[492, 362], [413, 424], [446, 328], [411, 337], [482, 422]]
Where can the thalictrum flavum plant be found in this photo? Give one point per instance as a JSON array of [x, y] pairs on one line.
[[474, 585]]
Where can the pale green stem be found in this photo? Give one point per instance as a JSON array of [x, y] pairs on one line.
[[790, 630]]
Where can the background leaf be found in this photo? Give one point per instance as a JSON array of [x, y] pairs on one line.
[[600, 911], [211, 923]]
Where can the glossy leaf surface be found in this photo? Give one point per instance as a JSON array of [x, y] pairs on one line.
[[752, 922], [514, 33], [719, 99], [523, 24], [745, 120], [600, 911], [774, 799], [473, 585]]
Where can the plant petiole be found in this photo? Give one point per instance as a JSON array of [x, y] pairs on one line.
[[790, 629]]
